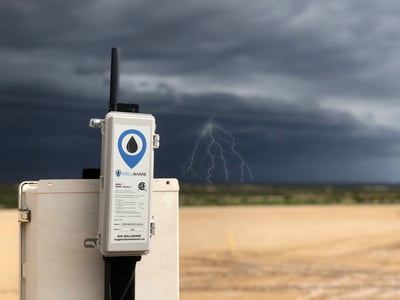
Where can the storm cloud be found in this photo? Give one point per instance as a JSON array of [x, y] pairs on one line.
[[308, 89]]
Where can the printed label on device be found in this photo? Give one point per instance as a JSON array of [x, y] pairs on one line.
[[131, 179]]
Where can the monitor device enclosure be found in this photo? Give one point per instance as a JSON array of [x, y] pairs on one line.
[[125, 184]]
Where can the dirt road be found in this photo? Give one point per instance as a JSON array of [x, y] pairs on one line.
[[304, 252]]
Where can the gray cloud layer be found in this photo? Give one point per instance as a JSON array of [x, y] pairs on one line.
[[308, 88]]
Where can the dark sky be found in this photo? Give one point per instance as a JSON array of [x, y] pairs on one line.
[[286, 91]]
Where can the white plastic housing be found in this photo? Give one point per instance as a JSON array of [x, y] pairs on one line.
[[125, 184], [54, 264]]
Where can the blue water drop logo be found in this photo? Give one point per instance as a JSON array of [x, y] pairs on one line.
[[130, 149]]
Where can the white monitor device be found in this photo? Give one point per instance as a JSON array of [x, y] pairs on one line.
[[128, 142]]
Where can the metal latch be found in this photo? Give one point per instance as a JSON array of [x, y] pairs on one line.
[[156, 141], [24, 215], [96, 123], [90, 243], [153, 228]]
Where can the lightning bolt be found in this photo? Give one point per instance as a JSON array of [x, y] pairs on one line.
[[220, 149]]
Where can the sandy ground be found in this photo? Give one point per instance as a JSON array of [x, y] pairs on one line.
[[304, 252], [9, 239], [308, 252]]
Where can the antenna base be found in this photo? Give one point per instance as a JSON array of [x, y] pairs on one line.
[[124, 107]]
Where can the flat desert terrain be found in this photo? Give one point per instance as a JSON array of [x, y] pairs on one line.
[[270, 252]]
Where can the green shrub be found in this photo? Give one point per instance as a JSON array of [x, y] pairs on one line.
[[8, 196]]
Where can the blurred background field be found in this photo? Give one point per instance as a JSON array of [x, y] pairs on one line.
[[251, 194], [198, 195]]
